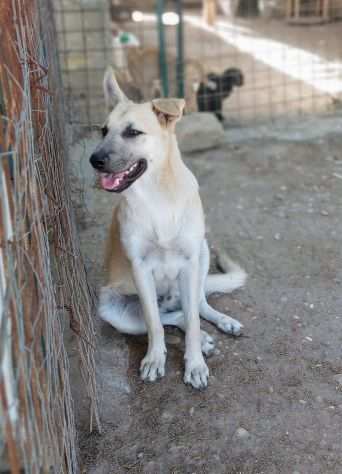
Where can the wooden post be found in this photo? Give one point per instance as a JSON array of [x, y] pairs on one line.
[[209, 11], [289, 9], [320, 12], [297, 9], [325, 9]]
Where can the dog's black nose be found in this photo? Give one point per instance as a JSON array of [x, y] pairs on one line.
[[99, 159]]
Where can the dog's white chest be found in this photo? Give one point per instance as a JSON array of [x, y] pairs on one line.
[[159, 258], [163, 249], [162, 238]]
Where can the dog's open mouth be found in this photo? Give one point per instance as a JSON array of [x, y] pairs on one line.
[[118, 182]]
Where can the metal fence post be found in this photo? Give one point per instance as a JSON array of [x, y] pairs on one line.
[[162, 50], [180, 50]]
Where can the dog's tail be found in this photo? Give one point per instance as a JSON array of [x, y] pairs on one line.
[[234, 277]]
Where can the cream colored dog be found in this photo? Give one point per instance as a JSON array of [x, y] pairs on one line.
[[157, 255]]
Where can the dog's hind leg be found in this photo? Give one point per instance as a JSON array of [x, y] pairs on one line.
[[124, 313], [176, 318], [222, 321], [222, 283]]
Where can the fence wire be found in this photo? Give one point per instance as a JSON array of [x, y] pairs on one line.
[[284, 56], [43, 285]]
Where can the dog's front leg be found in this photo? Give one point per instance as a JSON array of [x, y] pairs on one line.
[[196, 370], [153, 364]]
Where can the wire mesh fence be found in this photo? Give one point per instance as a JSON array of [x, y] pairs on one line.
[[43, 285], [246, 60]]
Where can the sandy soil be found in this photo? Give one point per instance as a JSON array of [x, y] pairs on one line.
[[274, 404]]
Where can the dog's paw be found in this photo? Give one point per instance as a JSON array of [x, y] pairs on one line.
[[207, 344], [230, 326], [152, 366], [196, 372]]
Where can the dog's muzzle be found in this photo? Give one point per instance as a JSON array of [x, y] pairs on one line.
[[117, 181], [99, 160]]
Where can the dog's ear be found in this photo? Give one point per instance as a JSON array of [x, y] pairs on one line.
[[112, 92], [168, 111]]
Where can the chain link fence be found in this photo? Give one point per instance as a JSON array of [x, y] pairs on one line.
[[248, 61]]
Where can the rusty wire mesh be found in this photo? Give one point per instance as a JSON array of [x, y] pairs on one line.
[[43, 285], [289, 53]]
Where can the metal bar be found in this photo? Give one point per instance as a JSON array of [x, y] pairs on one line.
[[180, 50], [163, 68]]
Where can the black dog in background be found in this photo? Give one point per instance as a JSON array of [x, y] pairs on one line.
[[211, 94]]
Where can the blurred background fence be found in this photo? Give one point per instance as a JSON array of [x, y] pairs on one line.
[[43, 286], [288, 52]]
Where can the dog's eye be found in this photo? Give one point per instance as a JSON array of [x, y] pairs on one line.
[[104, 131], [130, 132]]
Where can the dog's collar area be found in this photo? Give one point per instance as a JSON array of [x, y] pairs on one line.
[[119, 181]]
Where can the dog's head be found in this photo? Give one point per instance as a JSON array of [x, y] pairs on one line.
[[134, 136]]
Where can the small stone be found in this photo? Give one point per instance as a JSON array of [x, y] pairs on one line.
[[311, 306], [277, 236], [271, 389], [283, 188], [303, 402], [217, 352], [338, 378], [191, 411], [199, 131], [308, 338], [166, 416], [296, 317], [140, 455], [324, 213], [242, 433]]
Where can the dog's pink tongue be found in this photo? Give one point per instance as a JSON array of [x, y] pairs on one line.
[[109, 181]]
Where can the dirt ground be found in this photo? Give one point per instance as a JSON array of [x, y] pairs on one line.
[[274, 403]]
